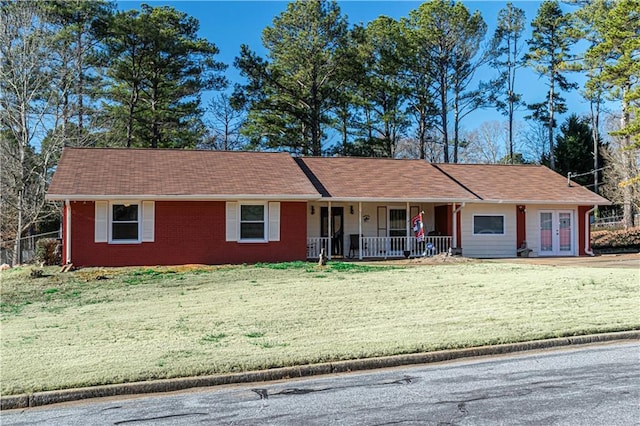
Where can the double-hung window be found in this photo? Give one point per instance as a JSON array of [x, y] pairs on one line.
[[252, 222], [124, 222], [125, 225]]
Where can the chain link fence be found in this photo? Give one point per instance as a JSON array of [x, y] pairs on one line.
[[28, 246]]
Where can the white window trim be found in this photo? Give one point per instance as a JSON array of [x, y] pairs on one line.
[[406, 215], [504, 225], [110, 223], [265, 218]]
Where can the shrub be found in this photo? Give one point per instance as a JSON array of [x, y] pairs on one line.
[[48, 251], [622, 238]]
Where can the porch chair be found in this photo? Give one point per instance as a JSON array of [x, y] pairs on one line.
[[354, 245]]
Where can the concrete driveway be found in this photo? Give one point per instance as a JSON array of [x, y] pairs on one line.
[[626, 260]]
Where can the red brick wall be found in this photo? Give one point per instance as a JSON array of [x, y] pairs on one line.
[[188, 232]]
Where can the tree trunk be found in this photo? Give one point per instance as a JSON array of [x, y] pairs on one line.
[[595, 135], [443, 115], [456, 125], [552, 160], [511, 111], [627, 207]]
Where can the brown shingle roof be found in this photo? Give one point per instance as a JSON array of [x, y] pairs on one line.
[[381, 179], [90, 173], [519, 183], [96, 173]]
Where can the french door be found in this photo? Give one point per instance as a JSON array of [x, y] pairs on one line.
[[556, 233]]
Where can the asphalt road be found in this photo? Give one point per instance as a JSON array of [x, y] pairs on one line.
[[590, 385]]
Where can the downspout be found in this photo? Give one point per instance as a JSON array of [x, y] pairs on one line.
[[67, 243], [455, 223], [360, 230], [587, 232]]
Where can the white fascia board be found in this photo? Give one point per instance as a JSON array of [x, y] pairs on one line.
[[547, 202], [396, 200], [195, 197]]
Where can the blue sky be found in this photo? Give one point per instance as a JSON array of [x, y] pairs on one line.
[[228, 24]]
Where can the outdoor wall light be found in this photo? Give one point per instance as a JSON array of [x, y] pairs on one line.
[[351, 209], [313, 210]]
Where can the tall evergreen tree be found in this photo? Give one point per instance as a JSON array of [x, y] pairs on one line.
[[449, 36], [290, 95], [573, 150], [79, 73], [158, 69], [383, 89], [549, 55], [617, 25], [506, 48]]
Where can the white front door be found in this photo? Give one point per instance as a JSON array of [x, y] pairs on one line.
[[556, 233]]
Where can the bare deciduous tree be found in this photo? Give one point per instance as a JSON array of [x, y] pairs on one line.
[[486, 144], [27, 103], [224, 125], [623, 163]]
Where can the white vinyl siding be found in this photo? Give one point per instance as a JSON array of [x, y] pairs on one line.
[[489, 245]]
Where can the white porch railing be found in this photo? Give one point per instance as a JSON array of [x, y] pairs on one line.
[[315, 244], [385, 247]]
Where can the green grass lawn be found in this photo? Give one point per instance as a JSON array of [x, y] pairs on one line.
[[98, 326]]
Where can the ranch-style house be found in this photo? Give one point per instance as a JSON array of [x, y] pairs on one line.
[[126, 207]]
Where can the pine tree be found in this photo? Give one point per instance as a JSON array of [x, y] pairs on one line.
[[617, 26], [158, 69], [549, 55], [505, 51], [448, 37], [290, 95], [573, 150]]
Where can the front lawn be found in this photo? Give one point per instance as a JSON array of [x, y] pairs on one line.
[[98, 326]]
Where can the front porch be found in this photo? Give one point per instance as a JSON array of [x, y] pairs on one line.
[[369, 230], [380, 247]]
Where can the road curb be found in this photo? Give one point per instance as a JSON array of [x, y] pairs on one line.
[[168, 385]]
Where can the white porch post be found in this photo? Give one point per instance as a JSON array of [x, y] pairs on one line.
[[360, 230], [329, 231], [408, 225]]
